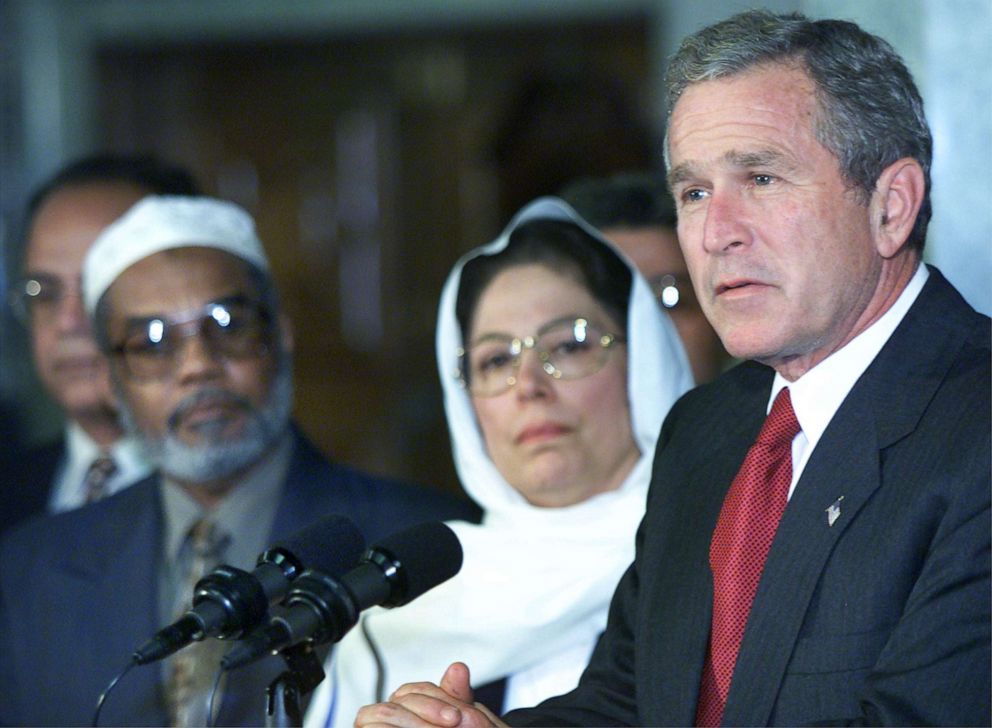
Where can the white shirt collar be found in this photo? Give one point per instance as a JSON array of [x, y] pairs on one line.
[[818, 394], [81, 450]]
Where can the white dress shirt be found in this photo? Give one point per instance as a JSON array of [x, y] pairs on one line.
[[69, 490], [819, 393]]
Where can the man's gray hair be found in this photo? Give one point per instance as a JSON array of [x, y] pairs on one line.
[[870, 111]]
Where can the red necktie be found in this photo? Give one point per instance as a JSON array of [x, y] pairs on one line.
[[741, 540]]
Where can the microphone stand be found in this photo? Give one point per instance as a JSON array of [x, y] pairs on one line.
[[283, 694]]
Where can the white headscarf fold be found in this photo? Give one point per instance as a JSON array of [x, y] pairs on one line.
[[534, 589]]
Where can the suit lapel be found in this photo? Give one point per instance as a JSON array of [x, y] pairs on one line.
[[802, 545], [305, 492], [119, 575], [679, 596], [884, 406]]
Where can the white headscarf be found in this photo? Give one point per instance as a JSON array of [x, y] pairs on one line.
[[534, 589]]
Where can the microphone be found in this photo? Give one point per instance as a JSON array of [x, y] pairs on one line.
[[322, 608], [228, 602]]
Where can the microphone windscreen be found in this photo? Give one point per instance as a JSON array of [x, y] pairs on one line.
[[332, 545], [426, 555]]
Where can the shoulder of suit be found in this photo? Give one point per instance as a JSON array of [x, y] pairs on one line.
[[384, 490], [88, 518]]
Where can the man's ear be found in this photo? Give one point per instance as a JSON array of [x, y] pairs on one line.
[[895, 203]]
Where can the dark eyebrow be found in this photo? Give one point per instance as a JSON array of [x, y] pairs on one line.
[[761, 158], [679, 173], [566, 319], [744, 160]]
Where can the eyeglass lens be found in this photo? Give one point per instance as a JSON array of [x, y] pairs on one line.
[[39, 296], [567, 350]]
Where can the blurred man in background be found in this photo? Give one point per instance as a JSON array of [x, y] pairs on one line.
[[92, 458]]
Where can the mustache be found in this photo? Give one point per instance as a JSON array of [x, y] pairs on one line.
[[208, 395]]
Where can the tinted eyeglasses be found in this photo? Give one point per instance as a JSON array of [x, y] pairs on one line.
[[568, 349], [233, 328]]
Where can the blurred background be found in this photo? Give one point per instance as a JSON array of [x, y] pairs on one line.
[[377, 140]]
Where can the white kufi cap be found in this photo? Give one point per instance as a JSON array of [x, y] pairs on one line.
[[159, 223]]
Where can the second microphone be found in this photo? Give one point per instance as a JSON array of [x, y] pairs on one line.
[[321, 608]]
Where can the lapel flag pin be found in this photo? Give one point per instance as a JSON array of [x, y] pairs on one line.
[[833, 511]]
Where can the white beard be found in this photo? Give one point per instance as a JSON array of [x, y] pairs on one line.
[[216, 458]]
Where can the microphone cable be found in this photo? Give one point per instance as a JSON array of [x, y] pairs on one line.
[[380, 667], [213, 695], [103, 696], [211, 699]]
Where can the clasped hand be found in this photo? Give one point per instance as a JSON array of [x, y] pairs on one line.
[[415, 705]]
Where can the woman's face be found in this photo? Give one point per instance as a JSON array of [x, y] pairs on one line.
[[558, 442]]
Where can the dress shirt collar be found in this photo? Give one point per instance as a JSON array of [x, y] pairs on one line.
[[818, 394], [80, 452]]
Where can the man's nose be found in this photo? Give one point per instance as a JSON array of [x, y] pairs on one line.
[[70, 314], [196, 359], [725, 226]]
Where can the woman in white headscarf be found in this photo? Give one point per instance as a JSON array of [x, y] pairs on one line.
[[555, 444]]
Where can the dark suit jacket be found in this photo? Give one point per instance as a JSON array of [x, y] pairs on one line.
[[26, 480], [78, 593], [881, 618]]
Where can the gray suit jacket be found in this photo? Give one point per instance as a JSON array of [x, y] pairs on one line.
[[881, 618]]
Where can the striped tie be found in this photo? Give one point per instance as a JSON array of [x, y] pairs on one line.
[[195, 667], [97, 476]]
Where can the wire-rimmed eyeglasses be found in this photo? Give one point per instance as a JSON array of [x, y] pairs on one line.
[[567, 349]]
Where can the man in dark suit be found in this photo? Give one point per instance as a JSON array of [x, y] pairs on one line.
[[62, 218], [857, 589], [200, 359]]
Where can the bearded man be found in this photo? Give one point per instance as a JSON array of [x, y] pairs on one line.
[[185, 309]]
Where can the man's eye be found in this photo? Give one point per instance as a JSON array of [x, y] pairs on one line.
[[153, 339], [762, 180], [147, 347], [693, 195], [228, 325], [43, 290]]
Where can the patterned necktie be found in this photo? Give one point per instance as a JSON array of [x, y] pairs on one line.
[[194, 668], [741, 541], [97, 476]]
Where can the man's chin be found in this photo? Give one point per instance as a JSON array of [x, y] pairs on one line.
[[208, 463], [215, 432]]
